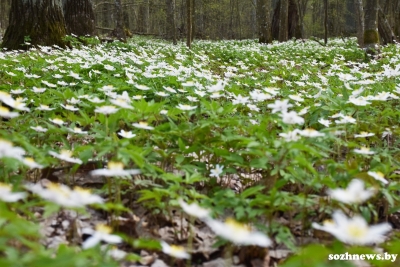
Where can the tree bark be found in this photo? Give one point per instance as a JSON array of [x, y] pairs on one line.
[[283, 21], [359, 8], [119, 32], [189, 23], [325, 22], [384, 29], [371, 34], [397, 21], [264, 21], [79, 17], [42, 21], [171, 21]]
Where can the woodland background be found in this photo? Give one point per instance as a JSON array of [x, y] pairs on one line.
[[233, 19]]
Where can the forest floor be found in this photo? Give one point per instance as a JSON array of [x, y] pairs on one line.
[[230, 154]]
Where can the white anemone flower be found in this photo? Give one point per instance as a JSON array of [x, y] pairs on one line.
[[297, 98], [363, 134], [37, 90], [324, 122], [346, 119], [364, 151], [143, 125], [291, 135], [106, 110], [114, 169], [354, 230], [101, 233], [280, 106], [186, 107], [57, 121], [70, 107], [355, 193], [163, 94], [238, 233], [95, 100], [39, 129], [7, 195], [66, 155], [291, 118], [174, 251], [378, 176], [142, 87], [44, 107], [121, 103], [31, 163], [17, 91], [77, 130], [64, 196], [217, 171], [360, 101], [194, 209], [126, 134], [85, 197], [310, 133], [16, 104], [6, 113], [8, 150]]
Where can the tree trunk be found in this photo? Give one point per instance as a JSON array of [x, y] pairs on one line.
[[119, 32], [263, 21], [301, 6], [359, 21], [325, 21], [397, 22], [171, 21], [41, 21], [193, 26], [79, 17], [189, 23], [371, 35], [283, 21], [384, 29]]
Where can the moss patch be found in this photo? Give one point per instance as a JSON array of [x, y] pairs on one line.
[[371, 37]]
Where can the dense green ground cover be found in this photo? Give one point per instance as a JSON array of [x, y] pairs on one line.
[[279, 137]]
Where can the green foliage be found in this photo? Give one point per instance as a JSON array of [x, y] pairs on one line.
[[204, 114]]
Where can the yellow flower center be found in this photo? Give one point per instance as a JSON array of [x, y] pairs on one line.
[[380, 174], [143, 123], [6, 142], [58, 189], [4, 94], [30, 160], [4, 109], [5, 187], [58, 121], [82, 190], [66, 153], [112, 165], [328, 223], [356, 231], [176, 249], [236, 226], [102, 228]]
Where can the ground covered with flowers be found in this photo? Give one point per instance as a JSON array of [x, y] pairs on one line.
[[229, 154]]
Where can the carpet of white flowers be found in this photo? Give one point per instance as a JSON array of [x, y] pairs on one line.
[[235, 153]]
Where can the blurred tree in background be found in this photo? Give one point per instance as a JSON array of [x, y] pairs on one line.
[[228, 19]]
